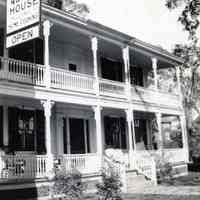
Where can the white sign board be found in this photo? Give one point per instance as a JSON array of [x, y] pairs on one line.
[[22, 36], [22, 13]]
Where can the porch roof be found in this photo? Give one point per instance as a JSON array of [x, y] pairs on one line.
[[92, 28]]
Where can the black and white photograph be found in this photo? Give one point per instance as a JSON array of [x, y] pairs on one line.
[[99, 100]]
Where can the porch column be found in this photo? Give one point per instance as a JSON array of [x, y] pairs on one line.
[[46, 33], [97, 116], [160, 138], [47, 104], [94, 46], [129, 119], [179, 85], [155, 74], [184, 136], [125, 52], [5, 125]]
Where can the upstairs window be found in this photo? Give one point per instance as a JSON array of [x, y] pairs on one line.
[[111, 70], [136, 74], [72, 67]]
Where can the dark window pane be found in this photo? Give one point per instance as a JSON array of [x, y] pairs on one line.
[[111, 70], [136, 74], [72, 67]]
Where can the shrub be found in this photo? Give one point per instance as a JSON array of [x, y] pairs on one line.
[[68, 185], [164, 169], [110, 187]]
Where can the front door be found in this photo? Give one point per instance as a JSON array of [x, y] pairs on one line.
[[140, 133], [115, 132], [77, 136]]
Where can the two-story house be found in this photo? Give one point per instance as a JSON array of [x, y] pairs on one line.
[[82, 88]]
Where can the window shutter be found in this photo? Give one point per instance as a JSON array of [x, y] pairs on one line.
[[40, 132]]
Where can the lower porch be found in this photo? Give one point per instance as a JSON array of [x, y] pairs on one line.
[[77, 137]]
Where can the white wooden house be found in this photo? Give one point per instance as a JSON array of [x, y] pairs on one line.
[[83, 88]]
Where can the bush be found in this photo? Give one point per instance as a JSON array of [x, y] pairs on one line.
[[164, 169], [68, 185], [110, 188]]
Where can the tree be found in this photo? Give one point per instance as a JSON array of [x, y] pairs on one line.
[[190, 73], [189, 17]]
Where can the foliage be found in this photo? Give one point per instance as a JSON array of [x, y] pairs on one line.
[[189, 17], [110, 188], [190, 74], [70, 6], [194, 143], [165, 170], [67, 184]]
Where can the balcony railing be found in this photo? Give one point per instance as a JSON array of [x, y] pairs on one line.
[[112, 88], [34, 74], [151, 96], [63, 79], [20, 71]]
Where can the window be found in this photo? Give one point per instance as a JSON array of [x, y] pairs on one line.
[[72, 67], [111, 69], [31, 51], [23, 126], [115, 132], [136, 74]]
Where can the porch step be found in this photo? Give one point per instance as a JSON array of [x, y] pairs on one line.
[[136, 183]]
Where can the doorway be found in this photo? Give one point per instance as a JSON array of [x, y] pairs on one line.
[[76, 139]]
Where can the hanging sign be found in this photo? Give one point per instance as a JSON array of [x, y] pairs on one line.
[[21, 15], [23, 36]]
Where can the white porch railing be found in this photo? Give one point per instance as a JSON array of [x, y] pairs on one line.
[[63, 79], [84, 163], [112, 88], [144, 163], [171, 155], [20, 71], [22, 167], [147, 95]]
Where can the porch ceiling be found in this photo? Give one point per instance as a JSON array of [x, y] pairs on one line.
[[105, 48], [66, 35], [20, 102]]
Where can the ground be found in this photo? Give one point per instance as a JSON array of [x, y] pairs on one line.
[[182, 188]]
